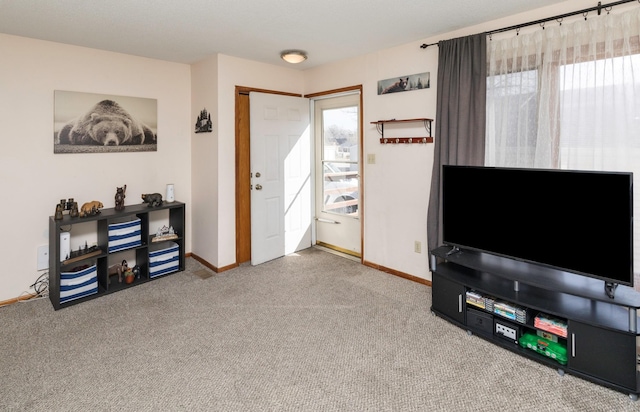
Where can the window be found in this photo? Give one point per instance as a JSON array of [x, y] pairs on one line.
[[568, 97]]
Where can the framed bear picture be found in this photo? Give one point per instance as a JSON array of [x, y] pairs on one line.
[[405, 83], [102, 123]]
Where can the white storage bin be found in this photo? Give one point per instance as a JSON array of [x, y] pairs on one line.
[[74, 285], [125, 235], [164, 258]]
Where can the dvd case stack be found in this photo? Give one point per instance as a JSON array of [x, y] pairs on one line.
[[489, 301], [476, 299], [480, 300], [511, 311]]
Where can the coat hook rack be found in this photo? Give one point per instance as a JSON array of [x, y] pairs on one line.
[[406, 140]]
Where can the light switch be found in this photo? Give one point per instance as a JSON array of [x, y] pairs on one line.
[[371, 158]]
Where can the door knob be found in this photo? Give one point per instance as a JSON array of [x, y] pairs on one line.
[[258, 187]]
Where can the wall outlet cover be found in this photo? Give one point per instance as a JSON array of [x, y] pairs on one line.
[[43, 257]]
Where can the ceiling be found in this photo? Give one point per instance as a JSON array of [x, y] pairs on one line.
[[187, 31]]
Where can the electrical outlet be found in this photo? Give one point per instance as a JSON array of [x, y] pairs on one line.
[[417, 246], [43, 257]]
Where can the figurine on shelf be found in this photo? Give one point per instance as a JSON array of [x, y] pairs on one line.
[[153, 199], [74, 210], [128, 276], [91, 208], [136, 271], [120, 195], [164, 233], [117, 269], [58, 215]]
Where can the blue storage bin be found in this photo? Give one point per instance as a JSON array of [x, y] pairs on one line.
[[74, 285], [163, 259], [125, 235]]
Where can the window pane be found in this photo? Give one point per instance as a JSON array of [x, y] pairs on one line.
[[340, 160], [341, 187], [512, 119]]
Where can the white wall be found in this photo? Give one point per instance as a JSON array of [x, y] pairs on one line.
[[204, 165], [34, 179]]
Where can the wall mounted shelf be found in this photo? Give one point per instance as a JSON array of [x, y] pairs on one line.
[[407, 140]]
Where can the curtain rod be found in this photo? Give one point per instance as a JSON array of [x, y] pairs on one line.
[[584, 12]]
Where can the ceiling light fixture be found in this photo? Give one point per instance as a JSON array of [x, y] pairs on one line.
[[293, 56]]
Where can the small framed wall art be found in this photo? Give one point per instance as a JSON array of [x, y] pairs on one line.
[[204, 123], [405, 83]]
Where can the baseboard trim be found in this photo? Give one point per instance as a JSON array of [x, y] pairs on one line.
[[397, 273], [212, 267], [16, 300]]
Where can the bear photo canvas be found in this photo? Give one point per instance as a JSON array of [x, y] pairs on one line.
[[99, 123], [405, 83]]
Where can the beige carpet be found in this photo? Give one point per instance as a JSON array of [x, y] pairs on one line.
[[307, 332]]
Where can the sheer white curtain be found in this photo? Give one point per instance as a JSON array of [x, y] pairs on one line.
[[568, 97]]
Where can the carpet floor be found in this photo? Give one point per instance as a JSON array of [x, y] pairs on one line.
[[307, 332]]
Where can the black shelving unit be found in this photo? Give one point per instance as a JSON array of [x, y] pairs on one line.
[[601, 337], [84, 277]]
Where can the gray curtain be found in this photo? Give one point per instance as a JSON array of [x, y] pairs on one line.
[[460, 116]]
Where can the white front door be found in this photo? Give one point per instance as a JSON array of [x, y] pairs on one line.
[[338, 192], [280, 176]]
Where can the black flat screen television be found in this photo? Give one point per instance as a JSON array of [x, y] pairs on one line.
[[574, 221]]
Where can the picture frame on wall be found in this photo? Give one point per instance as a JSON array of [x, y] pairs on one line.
[[104, 123], [405, 83]]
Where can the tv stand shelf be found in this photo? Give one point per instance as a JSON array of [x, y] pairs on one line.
[[601, 340], [540, 276]]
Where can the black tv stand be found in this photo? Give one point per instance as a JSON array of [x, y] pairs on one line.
[[598, 332], [610, 289]]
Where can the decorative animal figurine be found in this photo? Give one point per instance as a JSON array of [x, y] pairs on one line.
[[120, 195], [117, 269], [91, 208], [136, 271], [153, 199]]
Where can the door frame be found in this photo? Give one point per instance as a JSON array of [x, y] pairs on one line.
[[243, 165]]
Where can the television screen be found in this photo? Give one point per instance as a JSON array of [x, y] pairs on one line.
[[576, 221]]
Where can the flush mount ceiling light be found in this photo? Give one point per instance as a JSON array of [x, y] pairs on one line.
[[293, 56]]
